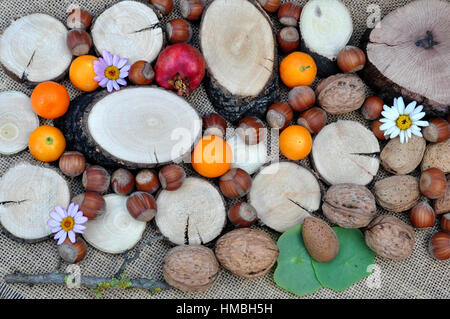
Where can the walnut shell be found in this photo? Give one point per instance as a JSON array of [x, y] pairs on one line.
[[341, 93], [437, 155], [349, 205], [389, 237], [397, 193], [442, 204], [190, 268], [401, 159], [246, 252]]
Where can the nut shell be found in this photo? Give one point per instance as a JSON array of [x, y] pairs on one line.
[[313, 119], [96, 179], [397, 193], [72, 163], [288, 39], [242, 215], [141, 73], [289, 14], [376, 130], [235, 183], [214, 124], [349, 205], [147, 181], [164, 6], [191, 9], [372, 108], [351, 59], [79, 19], [437, 131], [401, 159], [422, 215], [279, 116], [190, 268], [270, 5], [442, 204], [437, 155], [179, 31], [246, 252], [171, 177], [439, 246], [72, 252], [142, 206], [91, 204], [122, 181], [389, 237], [79, 42], [301, 98], [445, 223], [341, 93], [320, 239], [251, 130], [433, 183]]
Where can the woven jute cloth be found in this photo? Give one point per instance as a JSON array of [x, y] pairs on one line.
[[419, 276]]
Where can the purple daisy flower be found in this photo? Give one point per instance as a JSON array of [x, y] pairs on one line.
[[67, 222], [111, 71]]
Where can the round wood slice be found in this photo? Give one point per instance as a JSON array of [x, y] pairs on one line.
[[237, 41], [33, 49], [130, 29], [134, 127], [28, 194], [193, 214], [284, 194], [345, 152], [408, 54], [17, 122], [250, 158], [115, 231]]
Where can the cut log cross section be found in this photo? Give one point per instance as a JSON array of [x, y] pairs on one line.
[[237, 41], [33, 49], [130, 29]]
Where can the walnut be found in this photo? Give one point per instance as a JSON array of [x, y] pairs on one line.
[[397, 193], [190, 268], [246, 252], [349, 205], [400, 159], [389, 237], [341, 93]]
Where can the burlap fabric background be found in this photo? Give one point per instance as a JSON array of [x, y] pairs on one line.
[[419, 276]]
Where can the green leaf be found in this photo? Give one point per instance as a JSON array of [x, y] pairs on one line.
[[350, 265], [294, 271]]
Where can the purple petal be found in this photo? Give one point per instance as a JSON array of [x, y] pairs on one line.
[[81, 220], [108, 57], [70, 210], [78, 215], [109, 86], [123, 75], [56, 229], [116, 59], [99, 78], [126, 68], [72, 236], [56, 216], [116, 86], [103, 82], [122, 62], [62, 239], [61, 212], [99, 68], [79, 228], [122, 82], [53, 223]]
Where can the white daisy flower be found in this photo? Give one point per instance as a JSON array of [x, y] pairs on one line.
[[66, 223], [402, 121]]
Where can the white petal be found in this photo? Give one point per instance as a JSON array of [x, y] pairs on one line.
[[402, 137], [392, 114], [387, 126], [410, 107], [400, 105], [385, 120], [417, 133], [408, 133], [389, 131], [417, 116], [417, 109], [395, 132], [421, 123]]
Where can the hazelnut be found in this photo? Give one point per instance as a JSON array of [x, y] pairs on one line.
[[235, 183], [351, 59], [313, 119], [72, 252], [96, 179], [147, 181], [172, 177], [141, 73], [191, 9], [279, 116], [251, 130], [372, 108], [79, 19], [91, 204], [164, 6], [422, 216], [142, 206], [437, 131], [433, 183], [270, 5], [376, 130], [214, 124], [445, 223], [178, 31], [289, 14], [72, 163], [242, 215], [79, 42], [122, 181], [439, 246], [288, 39], [301, 98]]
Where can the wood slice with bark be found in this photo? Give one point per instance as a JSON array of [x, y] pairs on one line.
[[284, 194], [194, 214], [130, 29], [408, 54], [116, 230], [28, 194], [346, 152], [33, 49], [237, 41], [17, 122], [326, 28], [134, 127]]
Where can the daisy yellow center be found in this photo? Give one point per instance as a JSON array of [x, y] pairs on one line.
[[404, 122], [112, 73], [67, 223]]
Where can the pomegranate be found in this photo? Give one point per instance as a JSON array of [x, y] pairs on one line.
[[180, 67]]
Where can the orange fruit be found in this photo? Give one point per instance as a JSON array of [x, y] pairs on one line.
[[298, 68], [50, 100], [295, 142], [81, 73], [211, 157], [46, 143]]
